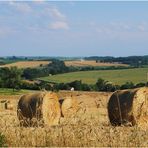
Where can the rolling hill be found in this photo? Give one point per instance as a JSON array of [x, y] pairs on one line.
[[136, 75]]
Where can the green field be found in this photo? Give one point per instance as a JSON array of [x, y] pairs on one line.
[[136, 75], [7, 91]]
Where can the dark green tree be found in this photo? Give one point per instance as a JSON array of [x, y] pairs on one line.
[[100, 84], [11, 77]]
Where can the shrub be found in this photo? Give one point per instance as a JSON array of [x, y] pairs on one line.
[[100, 84], [128, 85]]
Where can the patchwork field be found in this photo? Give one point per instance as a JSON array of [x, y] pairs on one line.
[[136, 75], [89, 127], [79, 63], [27, 64]]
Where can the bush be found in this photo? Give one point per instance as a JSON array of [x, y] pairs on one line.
[[100, 84], [108, 86], [77, 85], [140, 85], [128, 85], [26, 85], [85, 87]]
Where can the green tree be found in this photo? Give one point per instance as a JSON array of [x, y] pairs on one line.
[[100, 84], [128, 85], [77, 85], [11, 77]]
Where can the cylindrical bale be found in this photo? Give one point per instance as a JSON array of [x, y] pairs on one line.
[[3, 104], [128, 106], [69, 107], [36, 107], [51, 109]]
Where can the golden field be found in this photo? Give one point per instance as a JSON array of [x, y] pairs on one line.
[[75, 63], [88, 127], [79, 63], [27, 64]]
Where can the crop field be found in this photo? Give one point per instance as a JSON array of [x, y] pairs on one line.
[[136, 75], [27, 64], [7, 91], [79, 63], [90, 127], [76, 63]]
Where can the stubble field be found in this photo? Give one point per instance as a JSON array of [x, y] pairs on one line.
[[27, 64], [82, 63], [89, 127]]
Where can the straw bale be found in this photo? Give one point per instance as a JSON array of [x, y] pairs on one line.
[[69, 107], [128, 106], [36, 107]]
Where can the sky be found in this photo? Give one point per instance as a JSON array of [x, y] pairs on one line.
[[73, 28]]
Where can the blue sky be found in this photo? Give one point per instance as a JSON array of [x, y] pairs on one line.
[[73, 28]]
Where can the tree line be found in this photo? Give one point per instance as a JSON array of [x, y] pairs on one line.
[[12, 78]]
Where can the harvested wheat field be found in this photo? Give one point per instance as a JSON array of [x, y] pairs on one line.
[[89, 126], [83, 63], [27, 64]]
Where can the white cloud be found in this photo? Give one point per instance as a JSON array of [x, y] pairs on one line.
[[53, 17], [21, 6], [59, 25], [54, 13]]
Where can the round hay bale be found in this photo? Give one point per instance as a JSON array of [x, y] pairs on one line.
[[69, 107], [3, 104], [129, 106], [36, 107], [51, 109]]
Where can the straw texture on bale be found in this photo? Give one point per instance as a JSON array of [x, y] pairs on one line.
[[129, 106], [69, 107], [36, 107], [51, 109]]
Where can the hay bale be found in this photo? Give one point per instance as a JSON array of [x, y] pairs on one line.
[[129, 106], [69, 107], [3, 104], [33, 108], [51, 109]]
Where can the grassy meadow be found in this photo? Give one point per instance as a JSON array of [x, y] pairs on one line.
[[136, 75], [7, 91]]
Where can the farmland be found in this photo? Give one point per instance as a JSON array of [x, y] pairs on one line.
[[27, 64], [83, 63], [75, 63], [89, 127], [136, 75], [8, 91]]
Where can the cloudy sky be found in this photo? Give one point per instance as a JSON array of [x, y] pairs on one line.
[[39, 28]]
